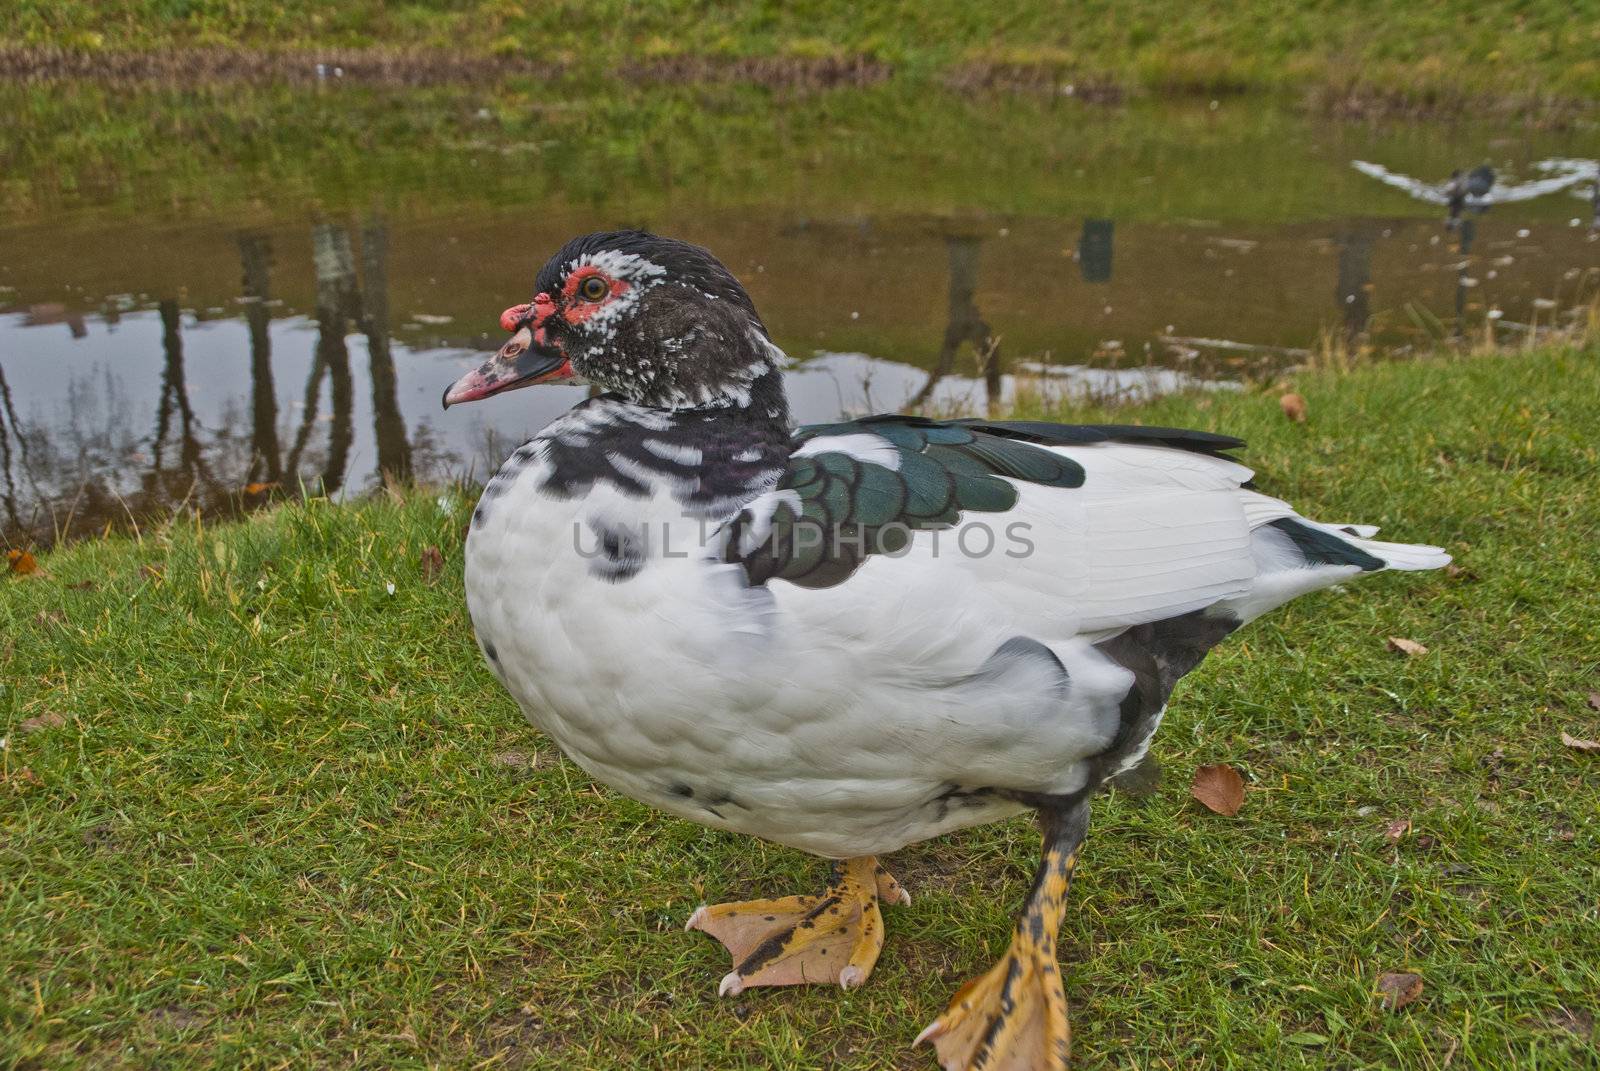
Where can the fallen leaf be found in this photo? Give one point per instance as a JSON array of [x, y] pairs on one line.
[[56, 616], [1579, 744], [22, 563], [432, 564], [82, 585], [259, 488], [1396, 989], [1397, 829], [1406, 647], [1294, 407], [1594, 700], [1219, 788], [42, 722]]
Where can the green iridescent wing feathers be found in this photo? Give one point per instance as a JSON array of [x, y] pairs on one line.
[[840, 509], [834, 510]]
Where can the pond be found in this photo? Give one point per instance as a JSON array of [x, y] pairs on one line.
[[210, 298]]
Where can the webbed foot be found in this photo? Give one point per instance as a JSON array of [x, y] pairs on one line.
[[834, 937]]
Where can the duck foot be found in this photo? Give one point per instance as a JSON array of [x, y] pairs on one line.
[[1013, 1017], [792, 940]]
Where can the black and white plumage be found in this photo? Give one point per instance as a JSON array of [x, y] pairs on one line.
[[855, 636], [1481, 187]]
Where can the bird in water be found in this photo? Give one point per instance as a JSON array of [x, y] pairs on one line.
[[851, 637]]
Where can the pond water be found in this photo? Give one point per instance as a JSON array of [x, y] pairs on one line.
[[211, 299]]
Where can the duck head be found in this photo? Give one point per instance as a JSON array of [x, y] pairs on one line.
[[656, 321]]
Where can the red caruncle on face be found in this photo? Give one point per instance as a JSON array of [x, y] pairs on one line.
[[587, 289]]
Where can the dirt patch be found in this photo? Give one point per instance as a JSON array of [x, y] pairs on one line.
[[779, 72], [1574, 1021], [176, 1017]]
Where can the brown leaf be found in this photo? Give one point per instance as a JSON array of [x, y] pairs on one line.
[[82, 585], [53, 616], [1406, 647], [1397, 829], [1579, 744], [1294, 407], [432, 564], [1219, 788], [42, 722], [1396, 989], [1594, 700], [22, 563], [259, 488]]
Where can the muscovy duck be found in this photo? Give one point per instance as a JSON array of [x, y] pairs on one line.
[[851, 637]]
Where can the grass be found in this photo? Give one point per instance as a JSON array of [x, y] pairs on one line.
[[287, 818], [1438, 51]]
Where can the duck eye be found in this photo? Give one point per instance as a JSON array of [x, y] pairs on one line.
[[593, 288]]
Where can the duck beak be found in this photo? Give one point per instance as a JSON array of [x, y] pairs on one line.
[[520, 363]]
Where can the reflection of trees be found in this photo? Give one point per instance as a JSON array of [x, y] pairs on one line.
[[336, 303], [255, 257], [1094, 250], [1354, 291], [1466, 234], [71, 483], [964, 323], [175, 400], [341, 300], [8, 431], [394, 452]]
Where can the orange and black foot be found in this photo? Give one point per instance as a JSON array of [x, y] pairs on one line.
[[1014, 1016], [831, 938]]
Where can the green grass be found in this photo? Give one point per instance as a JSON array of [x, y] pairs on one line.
[[1440, 50], [289, 819]]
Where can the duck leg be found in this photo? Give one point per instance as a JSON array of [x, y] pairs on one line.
[[834, 937], [1014, 1016]]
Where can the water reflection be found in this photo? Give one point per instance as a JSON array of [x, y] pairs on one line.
[[1094, 250], [147, 367], [389, 427], [1353, 295], [11, 433], [1466, 234], [266, 466], [192, 473], [964, 323]]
